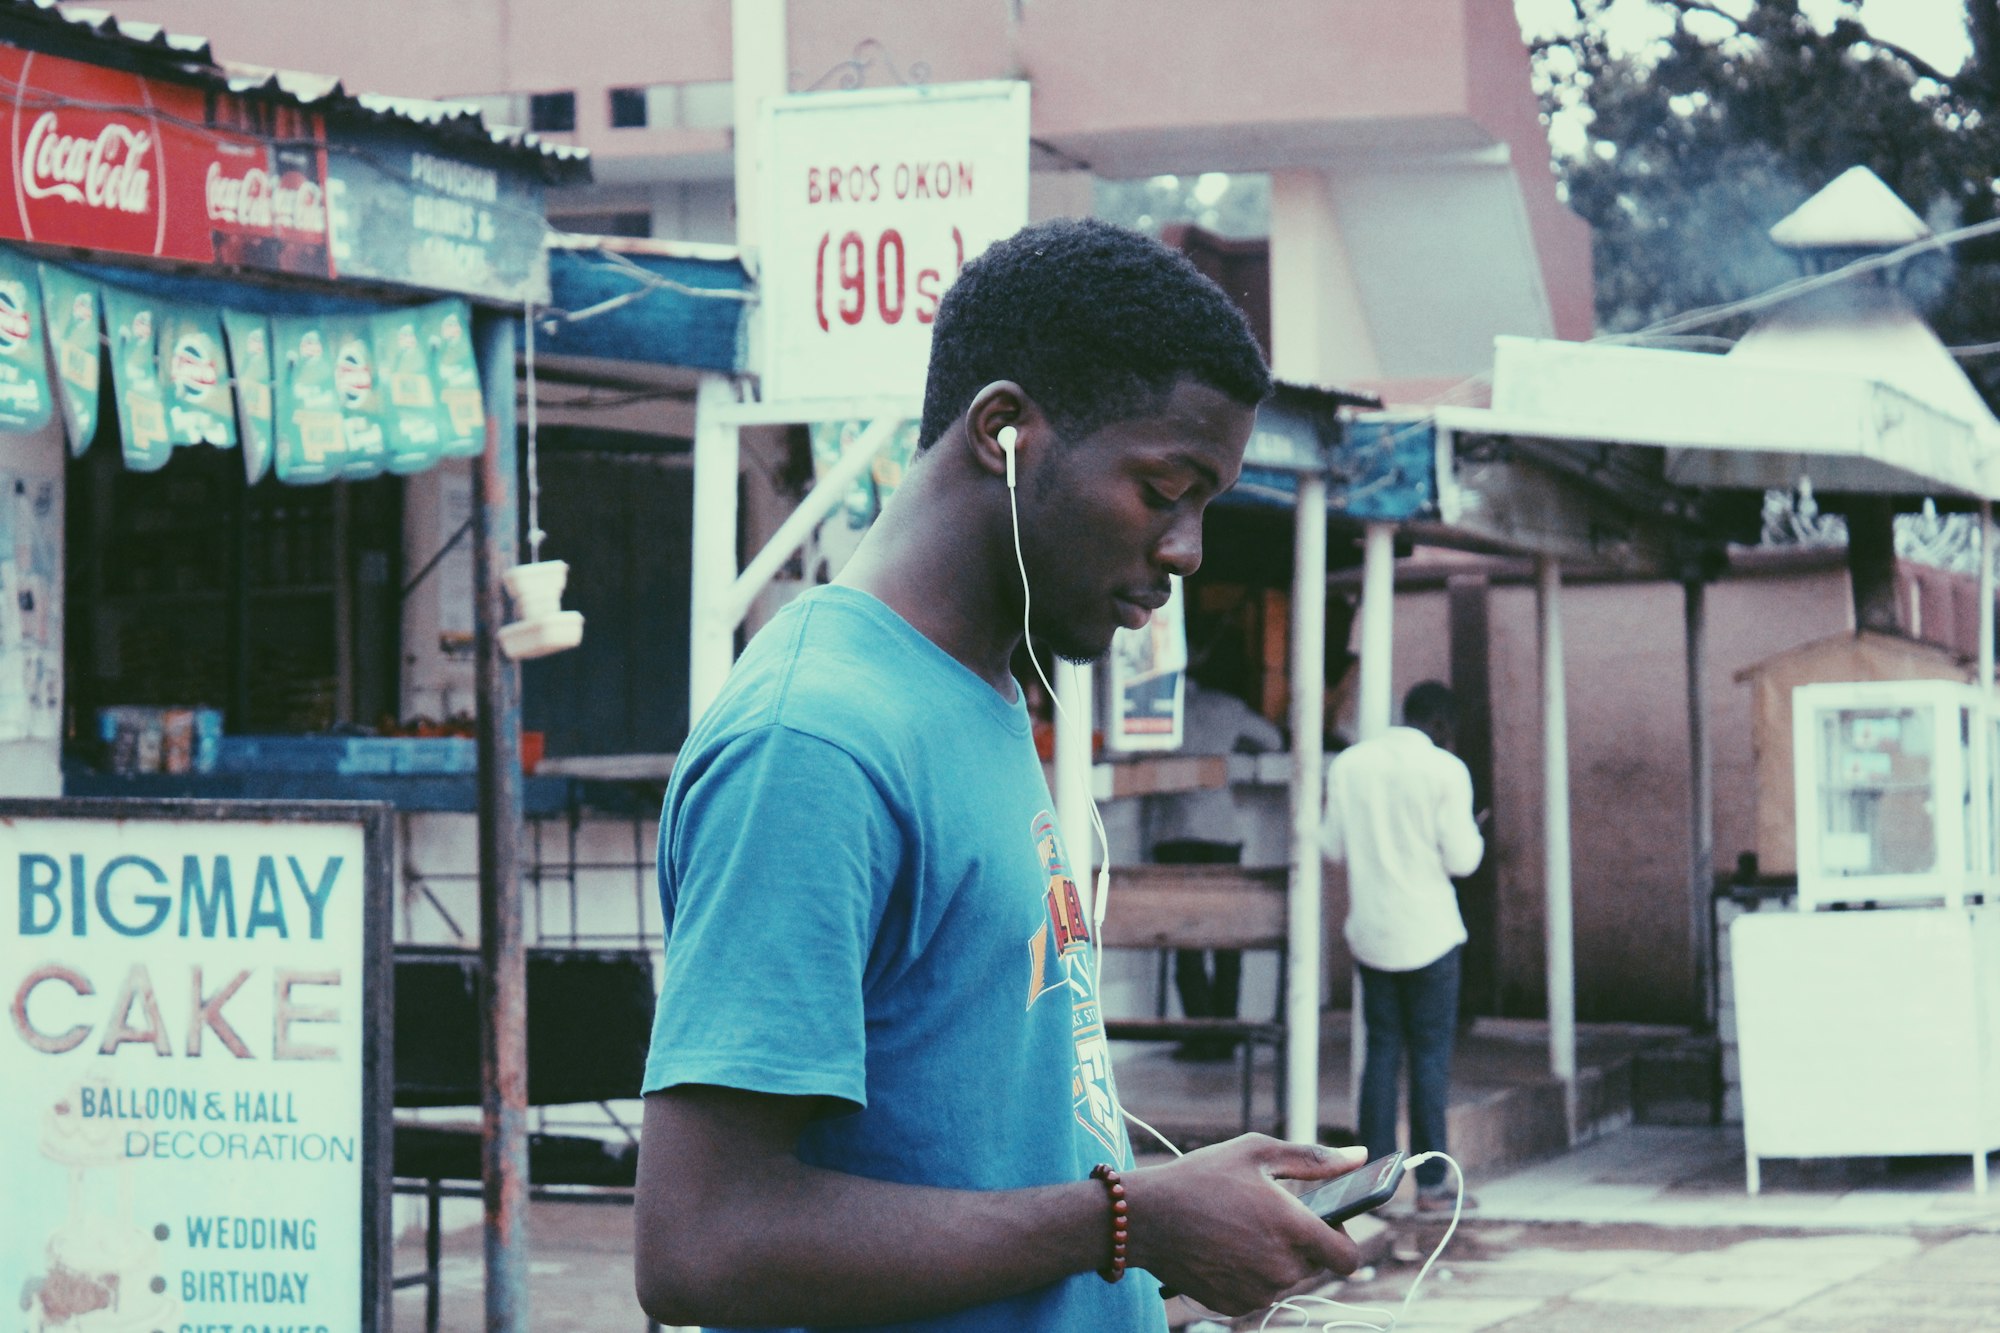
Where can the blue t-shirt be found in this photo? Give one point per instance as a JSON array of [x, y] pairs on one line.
[[867, 899]]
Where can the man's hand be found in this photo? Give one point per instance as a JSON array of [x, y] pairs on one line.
[[1216, 1225]]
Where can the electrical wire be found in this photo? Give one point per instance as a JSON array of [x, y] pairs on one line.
[[535, 533], [1103, 895], [1394, 1319]]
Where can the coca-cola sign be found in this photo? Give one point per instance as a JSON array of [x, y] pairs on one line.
[[103, 170], [117, 162], [257, 199]]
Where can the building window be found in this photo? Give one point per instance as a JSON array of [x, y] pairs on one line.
[[628, 108], [552, 113]]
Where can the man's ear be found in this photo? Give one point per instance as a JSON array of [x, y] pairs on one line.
[[1003, 406]]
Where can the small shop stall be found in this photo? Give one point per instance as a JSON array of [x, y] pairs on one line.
[[1868, 1015], [247, 322]]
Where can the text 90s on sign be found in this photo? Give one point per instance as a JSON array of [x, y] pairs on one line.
[[874, 201], [193, 1049]]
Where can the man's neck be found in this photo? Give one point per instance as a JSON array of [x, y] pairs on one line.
[[931, 558]]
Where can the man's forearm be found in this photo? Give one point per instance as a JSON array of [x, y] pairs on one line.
[[802, 1245]]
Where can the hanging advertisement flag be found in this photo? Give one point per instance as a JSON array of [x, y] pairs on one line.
[[249, 338], [310, 447], [445, 326], [135, 379], [414, 416], [1148, 671], [24, 376], [199, 410], [69, 307], [352, 343]]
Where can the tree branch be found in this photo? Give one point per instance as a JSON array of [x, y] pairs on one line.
[[1704, 7], [1922, 68]]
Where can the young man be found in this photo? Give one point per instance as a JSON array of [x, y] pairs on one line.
[[1399, 812], [879, 1082]]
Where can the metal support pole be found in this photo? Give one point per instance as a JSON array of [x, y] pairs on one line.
[[1372, 712], [1986, 541], [1378, 604], [503, 960], [1701, 799], [759, 63], [1982, 755], [1305, 944], [711, 633], [1073, 727], [1555, 837]]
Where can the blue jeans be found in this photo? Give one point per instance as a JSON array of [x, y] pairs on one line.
[[1415, 1011]]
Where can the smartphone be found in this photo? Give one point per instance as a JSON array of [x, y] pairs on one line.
[[1358, 1191]]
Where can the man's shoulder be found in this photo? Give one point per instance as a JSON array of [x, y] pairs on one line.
[[1400, 750], [825, 668]]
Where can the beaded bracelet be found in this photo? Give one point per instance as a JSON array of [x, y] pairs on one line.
[[1115, 1184]]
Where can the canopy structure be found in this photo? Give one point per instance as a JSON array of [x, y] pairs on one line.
[[1780, 407], [660, 303]]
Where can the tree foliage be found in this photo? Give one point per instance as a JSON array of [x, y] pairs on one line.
[[1696, 146]]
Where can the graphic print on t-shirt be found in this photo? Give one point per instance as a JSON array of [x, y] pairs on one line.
[[1059, 961]]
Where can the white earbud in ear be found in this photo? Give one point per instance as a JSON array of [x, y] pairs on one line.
[[1007, 436]]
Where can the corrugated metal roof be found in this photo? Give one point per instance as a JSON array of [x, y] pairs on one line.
[[188, 56]]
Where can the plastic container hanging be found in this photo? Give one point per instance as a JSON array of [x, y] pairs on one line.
[[540, 625]]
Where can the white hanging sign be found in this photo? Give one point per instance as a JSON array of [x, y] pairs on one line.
[[875, 200]]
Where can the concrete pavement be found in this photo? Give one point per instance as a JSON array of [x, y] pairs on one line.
[[1645, 1229], [1558, 1277], [1650, 1229]]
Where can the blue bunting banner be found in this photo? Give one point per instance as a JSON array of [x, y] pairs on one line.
[[310, 445], [200, 408], [249, 338], [24, 376], [76, 335], [135, 378]]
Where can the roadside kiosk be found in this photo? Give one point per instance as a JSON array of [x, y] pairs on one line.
[[243, 314], [1868, 1015]]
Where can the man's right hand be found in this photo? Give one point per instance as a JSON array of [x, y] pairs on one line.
[[1215, 1225]]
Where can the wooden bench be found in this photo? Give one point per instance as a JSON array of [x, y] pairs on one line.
[[1203, 907]]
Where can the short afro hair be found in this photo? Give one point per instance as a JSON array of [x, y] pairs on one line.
[[1430, 703], [1094, 321]]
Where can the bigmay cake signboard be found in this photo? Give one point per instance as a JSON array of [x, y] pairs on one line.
[[187, 1050]]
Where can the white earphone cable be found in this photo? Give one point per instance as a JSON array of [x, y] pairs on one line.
[[1009, 436]]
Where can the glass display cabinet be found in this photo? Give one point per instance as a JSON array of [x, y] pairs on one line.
[[1877, 1032], [1896, 794]]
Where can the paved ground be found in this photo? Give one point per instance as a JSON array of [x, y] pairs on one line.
[[1648, 1229], [1694, 1178], [1558, 1277]]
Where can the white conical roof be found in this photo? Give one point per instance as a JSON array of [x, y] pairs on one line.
[[1856, 211]]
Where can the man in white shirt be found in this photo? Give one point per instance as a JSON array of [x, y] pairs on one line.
[[1399, 813]]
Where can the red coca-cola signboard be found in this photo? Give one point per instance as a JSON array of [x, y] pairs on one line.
[[113, 161]]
